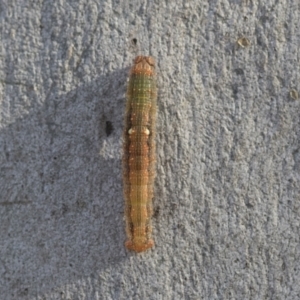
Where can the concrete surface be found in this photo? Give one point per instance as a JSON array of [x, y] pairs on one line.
[[226, 221]]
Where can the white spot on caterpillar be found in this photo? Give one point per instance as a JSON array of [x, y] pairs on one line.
[[130, 131], [146, 131]]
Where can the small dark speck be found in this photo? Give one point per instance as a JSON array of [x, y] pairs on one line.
[[264, 19], [235, 89], [25, 292], [239, 71], [260, 41], [156, 212], [108, 128], [134, 41], [54, 157], [249, 205], [64, 209]]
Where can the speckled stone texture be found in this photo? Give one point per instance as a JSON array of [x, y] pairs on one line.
[[227, 202]]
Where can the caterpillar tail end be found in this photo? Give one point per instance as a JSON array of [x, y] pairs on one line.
[[139, 247]]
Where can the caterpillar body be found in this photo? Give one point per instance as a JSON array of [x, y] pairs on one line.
[[139, 153]]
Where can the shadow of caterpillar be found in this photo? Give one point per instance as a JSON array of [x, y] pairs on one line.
[[139, 153]]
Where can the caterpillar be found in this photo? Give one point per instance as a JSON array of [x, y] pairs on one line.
[[139, 153]]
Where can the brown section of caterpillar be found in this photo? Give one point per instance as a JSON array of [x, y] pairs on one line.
[[139, 153]]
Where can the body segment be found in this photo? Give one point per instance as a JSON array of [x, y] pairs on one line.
[[139, 153]]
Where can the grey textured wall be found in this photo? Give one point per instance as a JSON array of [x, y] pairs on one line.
[[226, 221]]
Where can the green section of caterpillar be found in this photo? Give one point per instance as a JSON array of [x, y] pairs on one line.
[[139, 153]]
